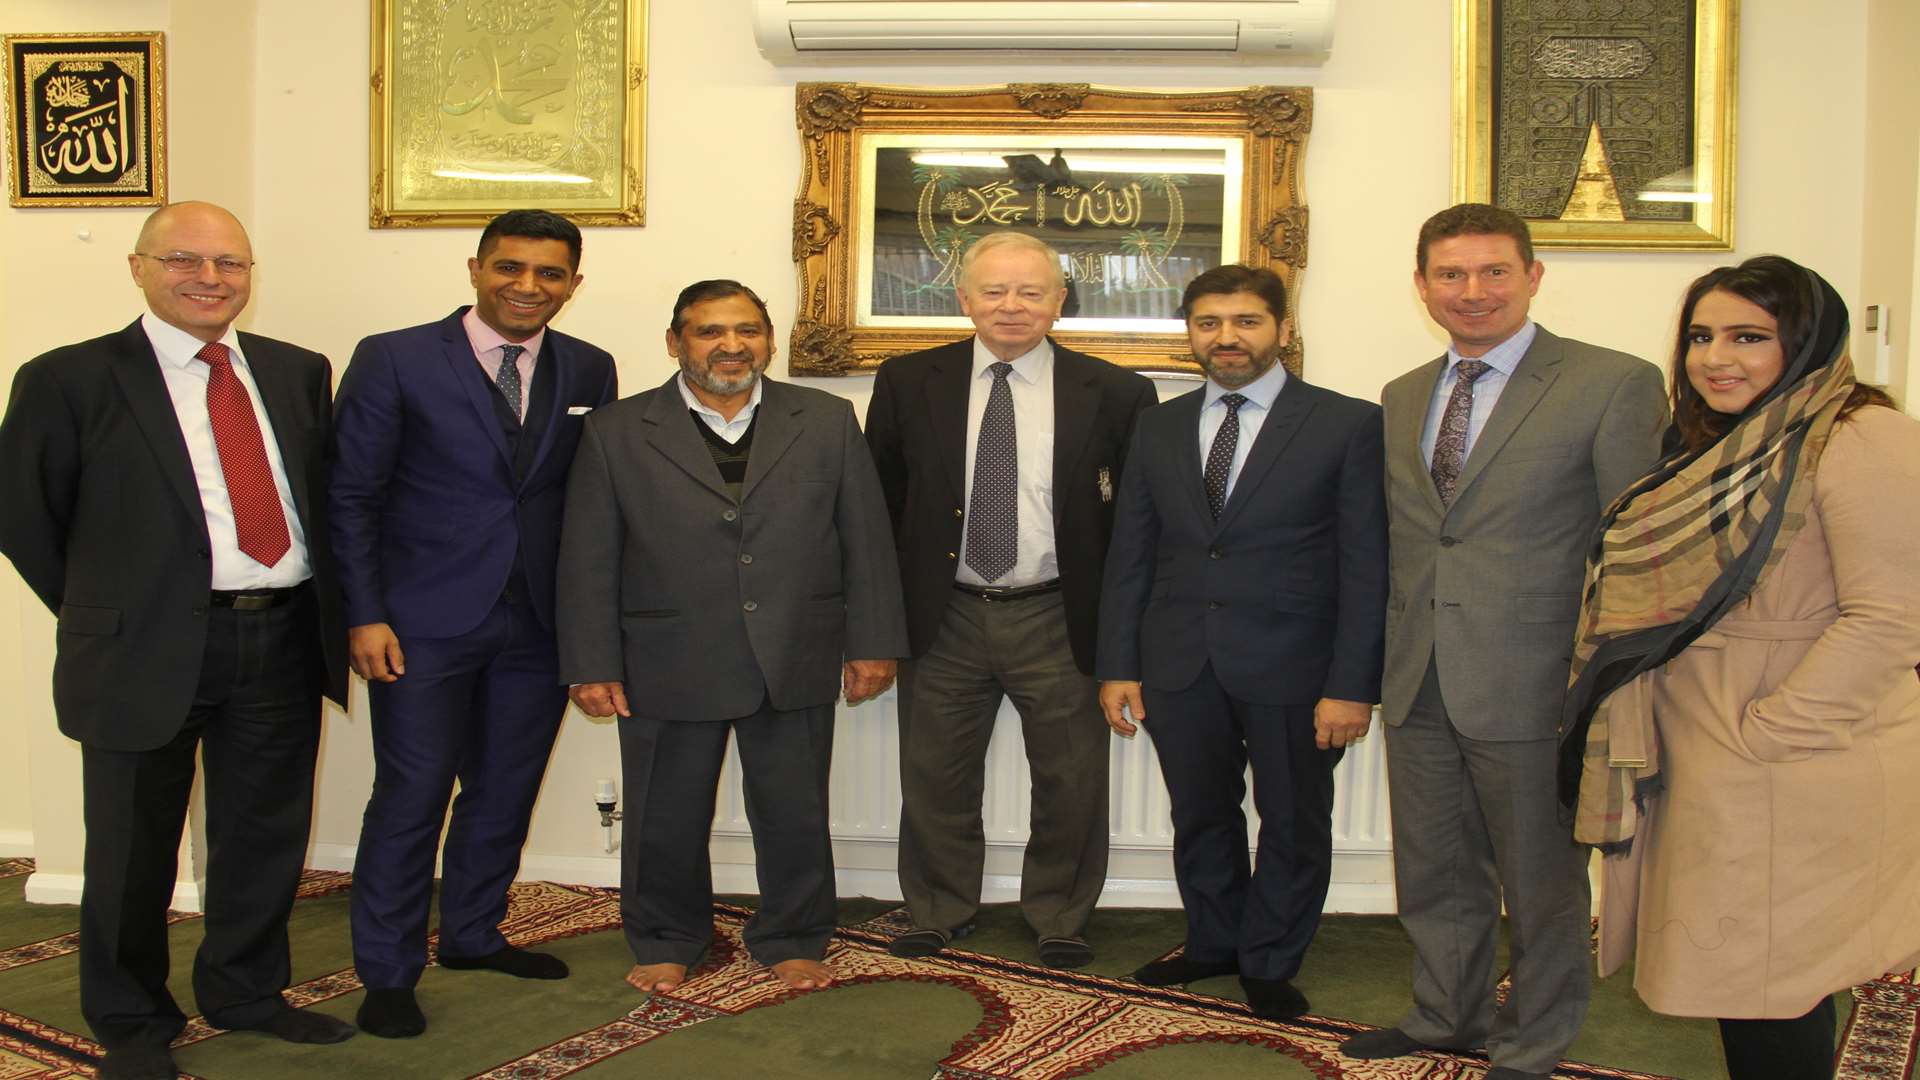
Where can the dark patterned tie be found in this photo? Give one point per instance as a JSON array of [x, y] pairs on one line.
[[259, 521], [1220, 457], [509, 378], [993, 509], [1450, 443]]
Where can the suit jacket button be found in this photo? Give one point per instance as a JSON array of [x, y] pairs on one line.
[[1214, 553], [1214, 605], [730, 515], [746, 560], [750, 606], [199, 609], [1448, 541]]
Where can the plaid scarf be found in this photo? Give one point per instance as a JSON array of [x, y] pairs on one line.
[[1673, 554]]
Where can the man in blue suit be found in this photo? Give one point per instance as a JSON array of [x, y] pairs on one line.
[[1242, 620], [452, 445]]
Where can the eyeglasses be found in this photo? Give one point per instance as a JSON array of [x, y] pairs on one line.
[[186, 262]]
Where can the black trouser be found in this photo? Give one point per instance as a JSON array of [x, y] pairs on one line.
[[1798, 1049], [256, 720]]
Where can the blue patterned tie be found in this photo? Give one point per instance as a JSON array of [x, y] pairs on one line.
[[1220, 457], [993, 509], [1450, 443], [509, 378]]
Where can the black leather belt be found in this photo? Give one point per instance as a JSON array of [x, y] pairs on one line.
[[253, 599], [1017, 593]]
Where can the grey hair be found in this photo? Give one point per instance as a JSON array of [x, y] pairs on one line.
[[1007, 238]]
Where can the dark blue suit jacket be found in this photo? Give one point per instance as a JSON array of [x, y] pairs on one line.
[[425, 508], [1286, 593]]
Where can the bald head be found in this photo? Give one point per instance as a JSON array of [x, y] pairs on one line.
[[203, 301]]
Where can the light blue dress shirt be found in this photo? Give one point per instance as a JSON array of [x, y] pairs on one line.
[[1260, 395], [1503, 359]]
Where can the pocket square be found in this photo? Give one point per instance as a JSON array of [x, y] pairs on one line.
[[579, 410]]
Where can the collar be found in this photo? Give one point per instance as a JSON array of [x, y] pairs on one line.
[[484, 338], [1260, 391], [176, 348], [746, 412], [1505, 356], [1031, 366]]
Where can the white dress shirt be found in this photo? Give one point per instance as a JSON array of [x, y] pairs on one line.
[[186, 379], [1502, 359], [1031, 385], [728, 430], [487, 345], [1260, 394]]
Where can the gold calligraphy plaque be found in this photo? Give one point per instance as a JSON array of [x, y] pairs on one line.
[[483, 106], [88, 119]]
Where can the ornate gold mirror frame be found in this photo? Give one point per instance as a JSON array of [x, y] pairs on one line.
[[1139, 190]]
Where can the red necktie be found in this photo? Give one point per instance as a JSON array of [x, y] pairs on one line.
[[257, 516]]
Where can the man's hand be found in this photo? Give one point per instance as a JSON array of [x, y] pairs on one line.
[[374, 652], [864, 680], [1118, 697], [600, 698], [1337, 723]]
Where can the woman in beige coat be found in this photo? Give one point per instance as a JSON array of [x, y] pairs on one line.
[[1746, 662]]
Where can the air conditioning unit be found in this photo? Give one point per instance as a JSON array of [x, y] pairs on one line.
[[1284, 27]]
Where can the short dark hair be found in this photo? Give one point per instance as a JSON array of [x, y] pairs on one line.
[[535, 225], [1473, 219], [1238, 278], [715, 289]]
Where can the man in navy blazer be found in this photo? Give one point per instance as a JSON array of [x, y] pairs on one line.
[[452, 445], [1242, 621]]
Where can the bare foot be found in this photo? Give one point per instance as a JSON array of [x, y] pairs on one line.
[[656, 978], [804, 974]]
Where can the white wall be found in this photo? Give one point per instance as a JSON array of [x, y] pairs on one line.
[[723, 159]]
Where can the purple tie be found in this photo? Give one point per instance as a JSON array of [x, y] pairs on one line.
[[1450, 445]]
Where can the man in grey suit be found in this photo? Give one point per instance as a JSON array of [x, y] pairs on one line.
[[726, 564], [1500, 457]]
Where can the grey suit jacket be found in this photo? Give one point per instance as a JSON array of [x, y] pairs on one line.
[[1490, 586], [702, 606]]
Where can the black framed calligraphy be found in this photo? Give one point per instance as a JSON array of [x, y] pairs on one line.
[[88, 119]]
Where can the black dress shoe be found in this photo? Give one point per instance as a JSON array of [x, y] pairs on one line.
[[1179, 971], [915, 944], [1385, 1043], [1273, 999], [1065, 952], [138, 1063], [518, 963], [391, 1014]]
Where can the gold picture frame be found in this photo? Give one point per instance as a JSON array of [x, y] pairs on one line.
[[896, 181], [480, 109], [88, 119], [1606, 133]]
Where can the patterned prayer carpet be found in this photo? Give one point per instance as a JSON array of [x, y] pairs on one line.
[[1026, 1021]]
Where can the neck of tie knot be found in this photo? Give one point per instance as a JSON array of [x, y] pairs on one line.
[[1469, 370], [1000, 369], [213, 353], [1233, 401]]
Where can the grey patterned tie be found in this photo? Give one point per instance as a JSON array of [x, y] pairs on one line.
[[1450, 443], [509, 378], [1220, 456], [993, 509]]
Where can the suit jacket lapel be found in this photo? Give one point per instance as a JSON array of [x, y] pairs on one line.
[[137, 370], [1075, 402], [551, 353], [774, 430], [669, 430], [1187, 409], [280, 396], [1407, 425], [1290, 410], [947, 388], [1525, 387], [471, 378]]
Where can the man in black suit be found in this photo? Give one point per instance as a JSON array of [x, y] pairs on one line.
[[999, 455], [1244, 613], [165, 488]]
